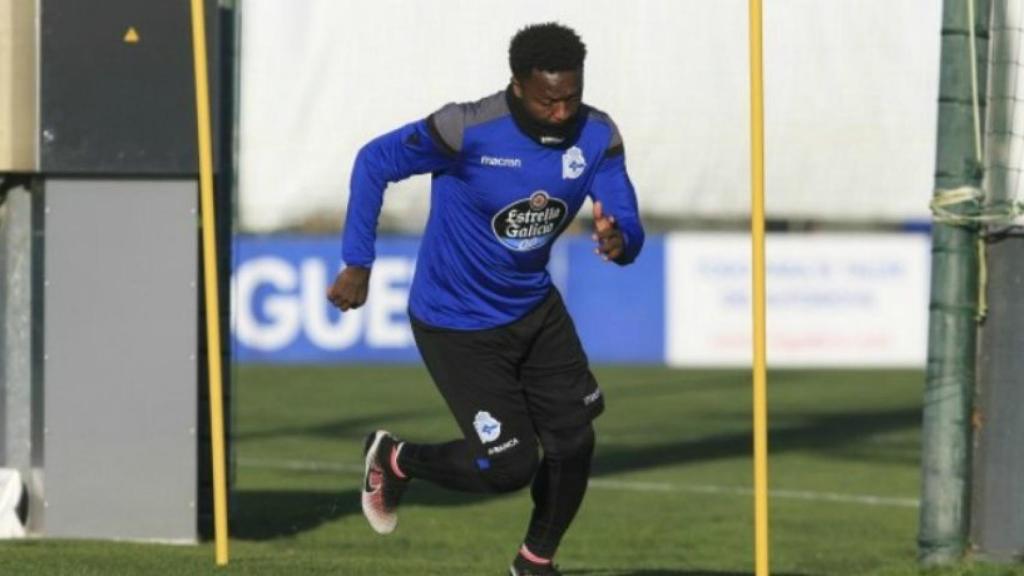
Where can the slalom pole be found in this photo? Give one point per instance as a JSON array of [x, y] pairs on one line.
[[220, 520], [757, 233]]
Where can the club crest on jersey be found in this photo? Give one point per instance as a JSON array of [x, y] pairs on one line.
[[529, 223], [488, 428], [573, 163]]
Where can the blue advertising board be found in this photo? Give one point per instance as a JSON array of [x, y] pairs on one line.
[[619, 311], [280, 313]]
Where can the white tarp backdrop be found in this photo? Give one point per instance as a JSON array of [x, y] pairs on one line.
[[851, 88]]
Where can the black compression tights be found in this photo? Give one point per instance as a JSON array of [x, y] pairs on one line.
[[559, 482]]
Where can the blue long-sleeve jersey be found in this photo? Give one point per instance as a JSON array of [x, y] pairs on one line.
[[501, 193]]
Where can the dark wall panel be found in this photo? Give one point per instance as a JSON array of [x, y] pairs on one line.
[[110, 106]]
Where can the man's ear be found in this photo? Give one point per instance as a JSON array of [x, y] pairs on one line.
[[517, 88]]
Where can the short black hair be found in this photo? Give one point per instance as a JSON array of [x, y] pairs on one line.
[[550, 47]]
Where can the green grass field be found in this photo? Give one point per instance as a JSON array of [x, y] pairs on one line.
[[670, 493]]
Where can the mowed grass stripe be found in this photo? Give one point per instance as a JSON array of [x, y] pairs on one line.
[[627, 485]]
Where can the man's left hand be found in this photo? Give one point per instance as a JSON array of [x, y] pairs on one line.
[[609, 239]]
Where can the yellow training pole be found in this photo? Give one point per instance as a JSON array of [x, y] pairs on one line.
[[757, 232], [220, 512]]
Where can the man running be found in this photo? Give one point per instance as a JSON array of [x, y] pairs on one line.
[[509, 173]]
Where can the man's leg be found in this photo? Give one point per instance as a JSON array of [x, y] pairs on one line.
[[558, 488], [455, 465], [563, 399], [476, 373]]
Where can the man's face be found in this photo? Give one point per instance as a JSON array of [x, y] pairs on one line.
[[552, 98]]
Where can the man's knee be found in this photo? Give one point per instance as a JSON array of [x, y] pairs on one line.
[[569, 443], [512, 471]]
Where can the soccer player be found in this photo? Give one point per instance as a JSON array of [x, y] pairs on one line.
[[509, 172]]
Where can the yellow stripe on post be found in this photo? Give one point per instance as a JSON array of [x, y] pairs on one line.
[[757, 233], [220, 519]]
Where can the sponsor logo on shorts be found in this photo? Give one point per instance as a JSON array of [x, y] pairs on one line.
[[507, 445], [592, 397], [529, 223], [488, 428]]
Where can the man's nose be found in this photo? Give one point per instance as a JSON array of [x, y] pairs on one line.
[[560, 112]]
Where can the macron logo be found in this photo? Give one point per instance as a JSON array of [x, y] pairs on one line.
[[501, 162]]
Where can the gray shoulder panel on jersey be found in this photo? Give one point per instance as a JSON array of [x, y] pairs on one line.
[[615, 142], [451, 121]]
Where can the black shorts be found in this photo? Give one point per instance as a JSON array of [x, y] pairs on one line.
[[515, 380]]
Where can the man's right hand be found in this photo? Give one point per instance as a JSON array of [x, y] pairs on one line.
[[610, 243], [350, 288]]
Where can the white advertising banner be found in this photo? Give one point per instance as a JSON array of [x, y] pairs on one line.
[[842, 300], [851, 90]]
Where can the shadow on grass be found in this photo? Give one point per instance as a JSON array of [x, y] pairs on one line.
[[827, 432], [666, 572], [356, 427], [269, 514]]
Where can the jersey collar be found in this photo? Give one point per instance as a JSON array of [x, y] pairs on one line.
[[550, 136]]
